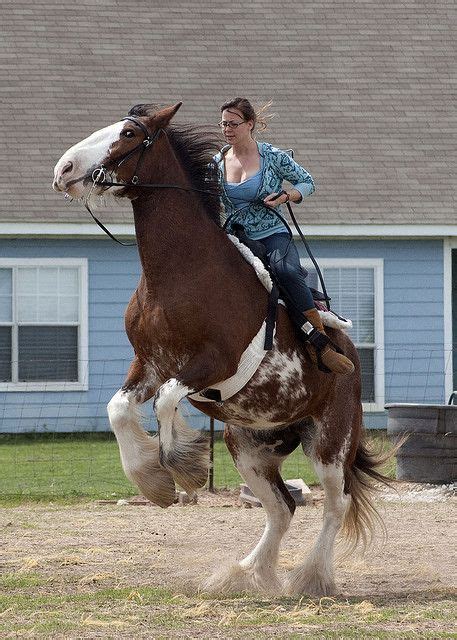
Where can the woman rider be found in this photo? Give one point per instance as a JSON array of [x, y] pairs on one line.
[[251, 175]]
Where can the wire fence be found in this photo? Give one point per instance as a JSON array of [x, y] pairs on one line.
[[55, 439], [86, 465]]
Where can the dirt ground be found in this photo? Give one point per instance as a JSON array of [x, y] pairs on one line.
[[85, 548]]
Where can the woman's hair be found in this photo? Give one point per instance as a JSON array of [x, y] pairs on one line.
[[259, 117]]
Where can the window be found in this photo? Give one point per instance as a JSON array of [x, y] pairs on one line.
[[356, 291], [43, 324]]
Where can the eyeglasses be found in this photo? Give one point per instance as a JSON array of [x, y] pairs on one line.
[[230, 125]]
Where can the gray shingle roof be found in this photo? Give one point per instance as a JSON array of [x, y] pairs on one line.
[[365, 92]]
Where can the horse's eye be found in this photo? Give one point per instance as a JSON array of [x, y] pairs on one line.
[[128, 133]]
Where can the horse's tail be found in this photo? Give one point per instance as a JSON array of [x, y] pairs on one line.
[[360, 479]]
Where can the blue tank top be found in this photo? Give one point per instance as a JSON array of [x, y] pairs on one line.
[[242, 193]]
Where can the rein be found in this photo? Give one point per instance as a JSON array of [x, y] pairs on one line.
[[99, 178]]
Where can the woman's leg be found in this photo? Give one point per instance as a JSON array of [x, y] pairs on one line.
[[285, 265]]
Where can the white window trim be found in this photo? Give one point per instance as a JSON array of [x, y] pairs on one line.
[[83, 338], [449, 382], [379, 369]]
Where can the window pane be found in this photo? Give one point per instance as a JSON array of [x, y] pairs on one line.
[[48, 280], [367, 366], [68, 281], [68, 309], [47, 310], [48, 353], [48, 294], [5, 295], [352, 293], [27, 308], [27, 280], [5, 354]]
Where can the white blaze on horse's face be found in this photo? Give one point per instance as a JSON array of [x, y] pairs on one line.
[[83, 157]]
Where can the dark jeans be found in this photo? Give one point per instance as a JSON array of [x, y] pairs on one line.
[[285, 264]]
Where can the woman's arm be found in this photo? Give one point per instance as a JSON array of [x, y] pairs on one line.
[[287, 169]]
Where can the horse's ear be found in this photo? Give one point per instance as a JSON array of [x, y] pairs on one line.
[[162, 117]]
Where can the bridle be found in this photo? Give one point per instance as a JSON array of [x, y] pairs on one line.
[[99, 175]]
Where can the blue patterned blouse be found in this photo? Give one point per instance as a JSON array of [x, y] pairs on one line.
[[276, 166]]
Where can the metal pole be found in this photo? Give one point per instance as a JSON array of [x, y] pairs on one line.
[[211, 456]]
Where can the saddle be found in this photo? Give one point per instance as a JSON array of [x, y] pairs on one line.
[[315, 338], [260, 252]]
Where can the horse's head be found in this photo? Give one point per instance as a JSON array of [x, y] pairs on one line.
[[116, 149]]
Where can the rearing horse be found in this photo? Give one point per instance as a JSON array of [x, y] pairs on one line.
[[197, 307]]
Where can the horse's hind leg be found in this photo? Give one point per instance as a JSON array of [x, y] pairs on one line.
[[316, 575], [258, 456], [139, 451]]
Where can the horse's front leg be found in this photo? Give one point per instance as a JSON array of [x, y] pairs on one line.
[[185, 451], [258, 456], [139, 451]]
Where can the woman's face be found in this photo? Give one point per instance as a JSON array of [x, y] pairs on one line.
[[241, 131]]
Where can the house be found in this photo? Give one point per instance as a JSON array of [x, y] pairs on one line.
[[365, 98]]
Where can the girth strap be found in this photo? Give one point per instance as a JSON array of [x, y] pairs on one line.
[[272, 310]]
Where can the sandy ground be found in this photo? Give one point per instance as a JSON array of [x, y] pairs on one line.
[[110, 544]]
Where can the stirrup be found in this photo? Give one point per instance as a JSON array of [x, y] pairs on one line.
[[319, 341]]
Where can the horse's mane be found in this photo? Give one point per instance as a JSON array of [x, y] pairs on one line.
[[195, 148]]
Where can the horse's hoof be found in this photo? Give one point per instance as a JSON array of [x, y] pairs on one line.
[[157, 486], [237, 579], [309, 582]]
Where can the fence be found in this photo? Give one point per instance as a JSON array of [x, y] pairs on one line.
[[55, 437], [67, 466]]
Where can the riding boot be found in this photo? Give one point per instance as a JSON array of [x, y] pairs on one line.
[[336, 362]]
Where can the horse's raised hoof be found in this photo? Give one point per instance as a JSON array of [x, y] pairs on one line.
[[188, 462], [146, 472], [309, 581], [158, 488], [237, 579]]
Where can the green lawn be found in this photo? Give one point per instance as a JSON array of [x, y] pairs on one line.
[[73, 467]]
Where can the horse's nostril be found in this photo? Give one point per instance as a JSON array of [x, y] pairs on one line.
[[67, 167]]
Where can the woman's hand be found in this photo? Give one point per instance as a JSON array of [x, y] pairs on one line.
[[275, 199]]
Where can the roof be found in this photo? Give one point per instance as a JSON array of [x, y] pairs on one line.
[[365, 96]]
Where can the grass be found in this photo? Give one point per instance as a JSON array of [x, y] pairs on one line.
[[73, 467], [143, 611]]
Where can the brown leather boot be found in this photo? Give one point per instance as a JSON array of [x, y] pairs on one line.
[[336, 362]]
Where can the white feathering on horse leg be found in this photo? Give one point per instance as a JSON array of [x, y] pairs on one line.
[[257, 571], [184, 451], [315, 576], [139, 451]]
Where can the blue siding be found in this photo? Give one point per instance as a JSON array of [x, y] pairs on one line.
[[413, 315], [413, 305]]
